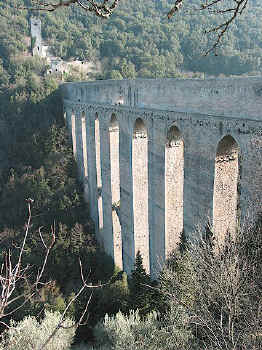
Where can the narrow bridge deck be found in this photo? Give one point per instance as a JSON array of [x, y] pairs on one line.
[[238, 97]]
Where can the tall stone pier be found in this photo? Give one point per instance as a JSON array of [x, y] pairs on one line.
[[158, 157]]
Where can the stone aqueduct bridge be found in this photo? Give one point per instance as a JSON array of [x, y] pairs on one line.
[[160, 156]]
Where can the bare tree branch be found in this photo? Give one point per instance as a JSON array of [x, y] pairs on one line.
[[63, 316], [13, 273], [225, 299], [101, 9], [233, 9]]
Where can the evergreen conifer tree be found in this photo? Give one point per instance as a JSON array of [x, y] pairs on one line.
[[141, 295], [183, 243]]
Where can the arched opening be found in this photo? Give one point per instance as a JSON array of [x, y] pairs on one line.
[[115, 189], [174, 184], [140, 190], [225, 200], [98, 174]]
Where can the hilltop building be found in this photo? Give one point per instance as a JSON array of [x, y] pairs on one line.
[[56, 64]]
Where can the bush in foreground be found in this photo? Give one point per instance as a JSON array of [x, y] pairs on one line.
[[126, 332], [29, 334]]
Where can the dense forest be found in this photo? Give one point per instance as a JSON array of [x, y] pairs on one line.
[[37, 162], [138, 40]]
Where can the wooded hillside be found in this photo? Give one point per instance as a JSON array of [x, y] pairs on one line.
[[138, 40]]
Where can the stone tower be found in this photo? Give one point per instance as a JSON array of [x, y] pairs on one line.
[[36, 36]]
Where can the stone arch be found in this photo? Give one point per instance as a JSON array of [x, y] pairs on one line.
[[98, 173], [174, 185], [226, 196], [115, 188], [140, 189], [140, 130]]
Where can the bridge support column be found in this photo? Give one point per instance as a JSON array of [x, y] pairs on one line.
[[126, 193], [157, 197], [199, 163], [106, 186], [92, 177], [79, 145], [69, 121], [85, 158]]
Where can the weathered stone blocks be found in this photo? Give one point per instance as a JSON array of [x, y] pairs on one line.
[[194, 157]]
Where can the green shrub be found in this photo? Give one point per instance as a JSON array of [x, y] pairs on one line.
[[128, 332], [216, 285], [29, 334]]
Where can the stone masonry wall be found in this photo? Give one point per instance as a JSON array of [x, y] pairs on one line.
[[115, 190], [225, 187], [168, 189]]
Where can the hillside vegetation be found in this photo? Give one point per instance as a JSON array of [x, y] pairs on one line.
[[138, 40]]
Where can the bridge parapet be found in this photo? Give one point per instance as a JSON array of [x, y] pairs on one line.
[[239, 97]]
